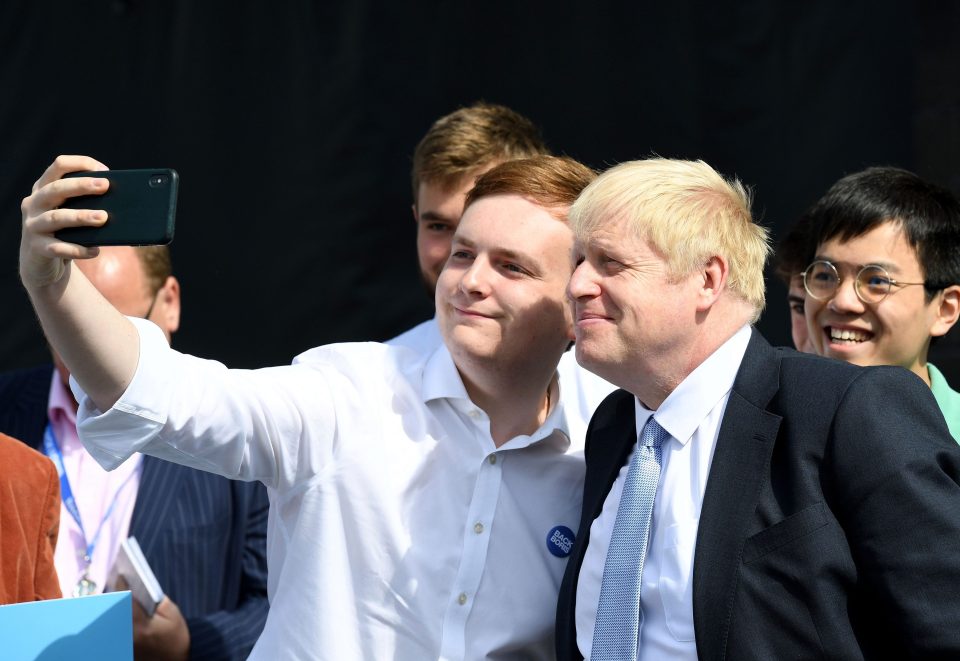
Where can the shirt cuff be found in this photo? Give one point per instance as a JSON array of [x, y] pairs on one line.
[[140, 413]]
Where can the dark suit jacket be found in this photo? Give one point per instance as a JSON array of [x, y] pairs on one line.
[[830, 525], [203, 535], [29, 523]]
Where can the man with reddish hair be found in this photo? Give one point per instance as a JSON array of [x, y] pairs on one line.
[[423, 504], [457, 149]]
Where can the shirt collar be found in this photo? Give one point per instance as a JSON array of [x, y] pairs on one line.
[[441, 380], [685, 408], [60, 403]]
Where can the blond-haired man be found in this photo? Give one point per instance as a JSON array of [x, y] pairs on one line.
[[741, 501]]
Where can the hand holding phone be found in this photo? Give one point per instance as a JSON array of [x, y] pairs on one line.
[[141, 207]]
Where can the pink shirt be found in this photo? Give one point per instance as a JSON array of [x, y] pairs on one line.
[[93, 490]]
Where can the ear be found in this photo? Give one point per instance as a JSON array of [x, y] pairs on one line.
[[167, 315], [416, 214], [947, 311], [712, 278]]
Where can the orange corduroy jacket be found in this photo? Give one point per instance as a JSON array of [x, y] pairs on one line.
[[29, 523]]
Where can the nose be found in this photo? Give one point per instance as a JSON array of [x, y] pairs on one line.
[[583, 282], [475, 280], [845, 299]]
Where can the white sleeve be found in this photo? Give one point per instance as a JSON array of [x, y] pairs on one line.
[[276, 425]]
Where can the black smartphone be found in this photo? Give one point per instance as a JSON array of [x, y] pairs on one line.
[[141, 206]]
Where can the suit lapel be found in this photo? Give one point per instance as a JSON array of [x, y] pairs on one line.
[[609, 449], [156, 496], [740, 464], [610, 438]]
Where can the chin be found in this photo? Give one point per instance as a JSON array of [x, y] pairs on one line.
[[465, 342], [586, 357]]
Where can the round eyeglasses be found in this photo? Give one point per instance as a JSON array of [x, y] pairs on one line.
[[872, 284]]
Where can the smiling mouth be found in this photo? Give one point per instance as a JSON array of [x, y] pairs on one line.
[[847, 335], [471, 313], [590, 316]]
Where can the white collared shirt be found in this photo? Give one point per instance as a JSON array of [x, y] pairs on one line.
[[691, 414], [397, 529], [581, 391]]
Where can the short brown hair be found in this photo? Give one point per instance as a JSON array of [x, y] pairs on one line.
[[469, 139], [156, 264], [552, 182]]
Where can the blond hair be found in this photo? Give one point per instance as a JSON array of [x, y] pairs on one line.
[[688, 213]]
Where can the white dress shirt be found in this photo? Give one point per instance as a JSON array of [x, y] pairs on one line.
[[581, 391], [691, 414], [397, 529]]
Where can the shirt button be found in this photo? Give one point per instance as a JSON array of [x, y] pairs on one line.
[[475, 414], [478, 527], [462, 599], [492, 458]]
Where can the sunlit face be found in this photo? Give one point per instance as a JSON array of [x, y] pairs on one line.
[[796, 296], [630, 317], [437, 212], [501, 296], [895, 331]]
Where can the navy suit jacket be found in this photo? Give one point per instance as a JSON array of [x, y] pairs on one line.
[[203, 535], [830, 525]]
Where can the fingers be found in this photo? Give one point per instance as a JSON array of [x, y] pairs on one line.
[[51, 195], [54, 220], [64, 164], [43, 257]]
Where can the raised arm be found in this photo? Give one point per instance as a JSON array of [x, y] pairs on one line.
[[98, 344]]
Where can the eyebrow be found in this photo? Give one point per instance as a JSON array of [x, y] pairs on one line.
[[433, 215], [527, 258], [889, 266]]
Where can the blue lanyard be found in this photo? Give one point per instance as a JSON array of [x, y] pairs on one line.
[[52, 450]]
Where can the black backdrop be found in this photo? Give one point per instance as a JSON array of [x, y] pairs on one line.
[[291, 124]]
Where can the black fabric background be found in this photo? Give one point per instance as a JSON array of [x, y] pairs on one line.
[[291, 124]]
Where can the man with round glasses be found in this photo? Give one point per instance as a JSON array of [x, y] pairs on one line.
[[884, 279]]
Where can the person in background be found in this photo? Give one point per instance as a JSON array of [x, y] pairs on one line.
[[791, 258], [203, 535], [29, 521], [884, 278]]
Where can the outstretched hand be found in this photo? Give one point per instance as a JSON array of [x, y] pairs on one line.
[[43, 257]]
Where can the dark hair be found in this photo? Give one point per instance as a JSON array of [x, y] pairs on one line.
[[794, 252], [928, 214], [471, 138], [552, 182]]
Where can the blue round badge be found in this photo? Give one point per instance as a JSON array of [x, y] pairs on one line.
[[560, 541]]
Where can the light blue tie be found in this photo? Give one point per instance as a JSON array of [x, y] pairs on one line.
[[618, 613]]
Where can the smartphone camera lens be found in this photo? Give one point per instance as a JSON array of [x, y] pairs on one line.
[[159, 180]]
